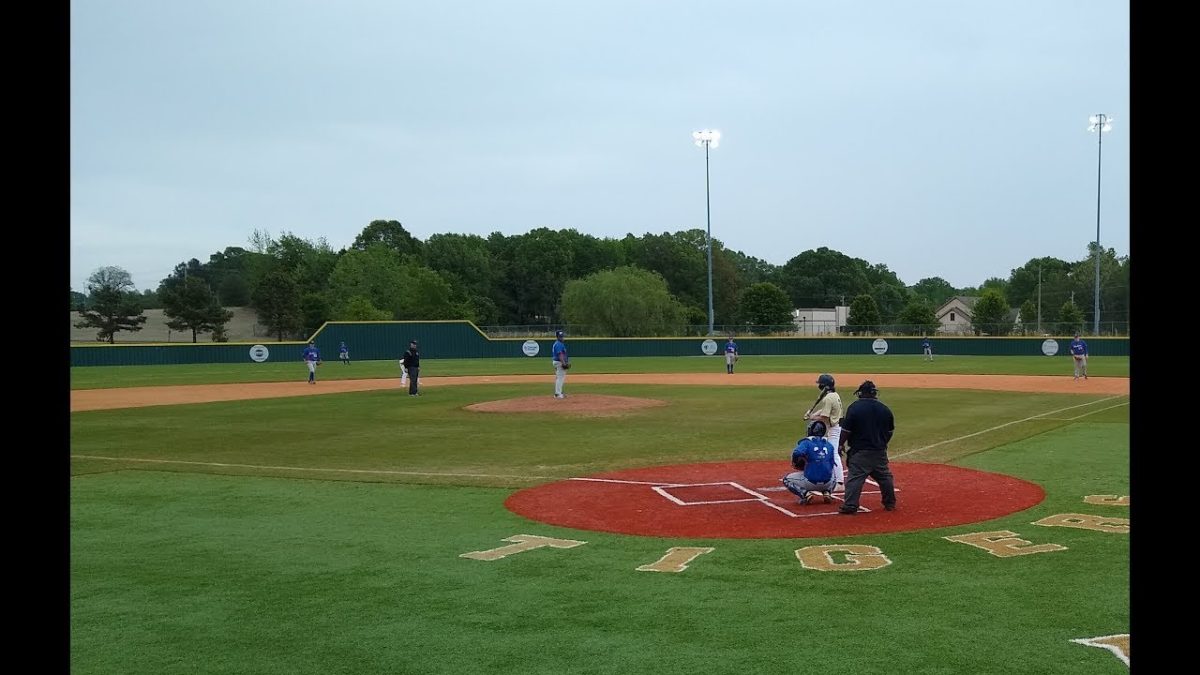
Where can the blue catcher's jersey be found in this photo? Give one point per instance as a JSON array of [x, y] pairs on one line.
[[818, 454]]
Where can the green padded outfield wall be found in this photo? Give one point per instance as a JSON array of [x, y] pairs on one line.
[[377, 340]]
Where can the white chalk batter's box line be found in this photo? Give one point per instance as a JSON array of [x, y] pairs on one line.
[[753, 495]]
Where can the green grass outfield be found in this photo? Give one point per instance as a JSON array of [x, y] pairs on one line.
[[97, 377], [253, 546]]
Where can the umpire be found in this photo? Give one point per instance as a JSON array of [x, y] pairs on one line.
[[412, 363], [867, 428]]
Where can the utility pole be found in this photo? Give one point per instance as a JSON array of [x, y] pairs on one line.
[[1039, 299]]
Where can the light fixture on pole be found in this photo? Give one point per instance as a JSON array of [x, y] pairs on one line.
[[708, 138], [1098, 124]]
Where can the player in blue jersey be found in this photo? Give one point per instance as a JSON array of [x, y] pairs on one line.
[[1079, 354], [344, 353], [561, 363], [927, 349], [731, 355], [312, 357], [813, 460]]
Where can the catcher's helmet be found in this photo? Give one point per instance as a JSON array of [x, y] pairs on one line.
[[816, 428], [825, 381], [867, 388], [558, 334]]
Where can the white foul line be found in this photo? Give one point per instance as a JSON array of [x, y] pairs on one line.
[[1072, 419], [1001, 426]]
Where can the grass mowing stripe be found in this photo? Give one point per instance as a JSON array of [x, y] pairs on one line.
[[1009, 424], [305, 468]]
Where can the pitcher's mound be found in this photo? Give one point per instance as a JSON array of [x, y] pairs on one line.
[[590, 405]]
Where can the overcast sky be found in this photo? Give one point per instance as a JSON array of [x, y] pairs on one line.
[[941, 138]]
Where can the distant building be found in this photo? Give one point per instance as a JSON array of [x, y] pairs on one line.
[[956, 314], [820, 320]]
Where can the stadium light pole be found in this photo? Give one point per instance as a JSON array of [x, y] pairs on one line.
[[1098, 124], [708, 138]]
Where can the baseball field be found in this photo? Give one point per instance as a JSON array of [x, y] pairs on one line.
[[234, 519]]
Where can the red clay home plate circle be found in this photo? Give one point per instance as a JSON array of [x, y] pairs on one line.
[[745, 500]]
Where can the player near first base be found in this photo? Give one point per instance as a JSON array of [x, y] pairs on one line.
[[1079, 354]]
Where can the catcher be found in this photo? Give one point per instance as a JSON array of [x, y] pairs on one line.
[[731, 355], [813, 460], [312, 357], [561, 363]]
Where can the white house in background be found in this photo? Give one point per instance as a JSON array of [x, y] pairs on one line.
[[956, 314], [820, 320]]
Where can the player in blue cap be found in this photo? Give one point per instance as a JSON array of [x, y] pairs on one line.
[[561, 363]]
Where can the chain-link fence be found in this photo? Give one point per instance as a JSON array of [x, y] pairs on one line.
[[825, 329]]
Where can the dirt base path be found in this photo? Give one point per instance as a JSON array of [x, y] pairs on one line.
[[136, 397]]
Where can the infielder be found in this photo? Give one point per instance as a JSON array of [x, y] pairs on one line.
[[311, 356], [828, 410], [1079, 352], [731, 355], [813, 461], [561, 363]]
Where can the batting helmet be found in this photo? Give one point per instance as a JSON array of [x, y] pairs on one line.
[[867, 388], [825, 381], [816, 428], [558, 334]]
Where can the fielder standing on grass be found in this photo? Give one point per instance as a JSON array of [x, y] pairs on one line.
[[311, 357], [828, 410], [731, 355], [344, 353], [411, 363], [927, 348], [868, 427], [1079, 353], [561, 363]]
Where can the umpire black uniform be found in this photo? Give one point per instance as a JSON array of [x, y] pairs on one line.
[[412, 363], [868, 427]]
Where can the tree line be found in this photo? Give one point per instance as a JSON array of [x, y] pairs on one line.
[[654, 284]]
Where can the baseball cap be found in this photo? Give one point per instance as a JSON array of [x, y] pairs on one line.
[[867, 387]]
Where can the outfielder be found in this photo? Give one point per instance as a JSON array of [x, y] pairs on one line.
[[731, 355], [828, 410], [561, 363], [927, 349], [312, 357], [344, 353], [813, 461], [1079, 353]]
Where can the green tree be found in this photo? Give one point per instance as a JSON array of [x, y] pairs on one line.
[[918, 317], [990, 314], [1029, 316], [277, 301], [864, 315], [359, 308], [389, 233], [314, 311], [373, 273], [934, 290], [113, 304], [193, 306], [623, 302], [78, 301], [1070, 318], [752, 270], [824, 278], [234, 291], [765, 304], [425, 296], [538, 265], [891, 300]]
